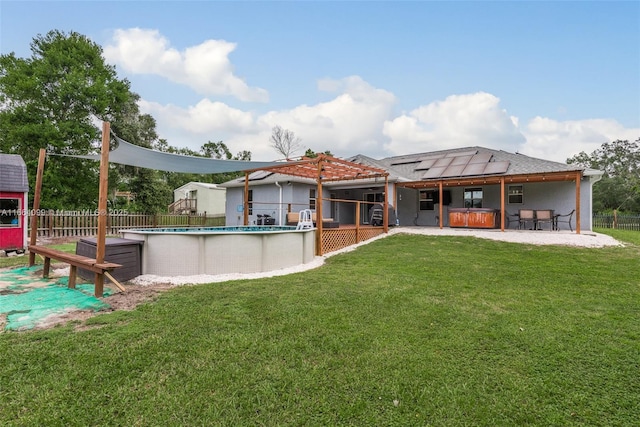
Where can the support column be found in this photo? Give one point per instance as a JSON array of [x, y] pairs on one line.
[[319, 211], [578, 179], [440, 208], [502, 203], [102, 206], [36, 205], [246, 199]]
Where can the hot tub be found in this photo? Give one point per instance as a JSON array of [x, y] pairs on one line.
[[474, 218], [222, 250]]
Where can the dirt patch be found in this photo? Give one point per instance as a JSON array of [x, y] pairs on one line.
[[128, 300]]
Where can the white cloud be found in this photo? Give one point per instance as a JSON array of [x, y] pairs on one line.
[[348, 124], [205, 68], [457, 121], [559, 140]]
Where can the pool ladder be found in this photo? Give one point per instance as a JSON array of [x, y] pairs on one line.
[[305, 221]]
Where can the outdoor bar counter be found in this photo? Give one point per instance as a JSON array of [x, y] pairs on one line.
[[474, 218]]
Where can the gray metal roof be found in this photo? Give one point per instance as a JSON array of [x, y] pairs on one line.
[[266, 178], [407, 167], [418, 167], [13, 174]]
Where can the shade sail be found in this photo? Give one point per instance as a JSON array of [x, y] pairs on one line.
[[133, 155]]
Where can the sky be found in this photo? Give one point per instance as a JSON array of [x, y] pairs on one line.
[[548, 79]]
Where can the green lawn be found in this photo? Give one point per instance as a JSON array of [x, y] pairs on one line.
[[408, 330]]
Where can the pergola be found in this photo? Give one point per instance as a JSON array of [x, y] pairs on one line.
[[322, 169], [575, 176]]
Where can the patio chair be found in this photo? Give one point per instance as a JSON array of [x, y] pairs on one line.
[[515, 218], [545, 217], [567, 218], [525, 216]]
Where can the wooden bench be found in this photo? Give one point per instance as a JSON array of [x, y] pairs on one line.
[[74, 262]]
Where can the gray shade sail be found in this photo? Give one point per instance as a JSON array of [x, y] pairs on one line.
[[133, 155]]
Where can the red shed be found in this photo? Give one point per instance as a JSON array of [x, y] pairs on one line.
[[14, 200]]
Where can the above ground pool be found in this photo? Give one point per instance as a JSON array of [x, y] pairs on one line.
[[222, 250]]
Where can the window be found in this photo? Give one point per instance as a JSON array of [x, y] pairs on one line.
[[473, 197], [250, 198], [9, 212], [427, 200], [515, 194], [312, 199]]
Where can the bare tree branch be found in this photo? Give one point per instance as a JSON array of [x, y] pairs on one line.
[[284, 141]]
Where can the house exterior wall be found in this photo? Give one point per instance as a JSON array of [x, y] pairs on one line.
[[558, 196], [13, 227], [209, 200], [272, 200], [13, 218]]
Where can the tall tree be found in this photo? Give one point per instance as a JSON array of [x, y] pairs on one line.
[[284, 141], [54, 100], [620, 184], [312, 154], [152, 193], [214, 150]]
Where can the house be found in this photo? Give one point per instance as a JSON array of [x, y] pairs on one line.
[[14, 188], [199, 198], [427, 189]]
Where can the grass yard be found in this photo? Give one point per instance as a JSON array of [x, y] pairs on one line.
[[408, 330]]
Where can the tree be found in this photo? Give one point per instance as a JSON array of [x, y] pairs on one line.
[[284, 141], [312, 154], [214, 150], [152, 191], [619, 187], [54, 100]]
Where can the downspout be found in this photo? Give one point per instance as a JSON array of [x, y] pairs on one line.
[[279, 203]]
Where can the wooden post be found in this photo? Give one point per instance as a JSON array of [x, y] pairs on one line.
[[319, 211], [246, 198], [36, 205], [385, 214], [440, 209], [358, 222], [502, 203], [578, 178], [102, 207]]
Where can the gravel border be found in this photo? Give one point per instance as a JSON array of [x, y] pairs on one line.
[[587, 239]]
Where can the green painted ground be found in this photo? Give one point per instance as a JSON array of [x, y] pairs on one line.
[[26, 300]]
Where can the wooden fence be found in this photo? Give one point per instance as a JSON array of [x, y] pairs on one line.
[[85, 223], [618, 221]]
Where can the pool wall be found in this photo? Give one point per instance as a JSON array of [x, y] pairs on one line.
[[227, 250]]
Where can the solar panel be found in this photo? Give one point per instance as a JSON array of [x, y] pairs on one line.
[[445, 161], [404, 162], [474, 169], [462, 153], [452, 170], [496, 167], [431, 157], [425, 164], [481, 158], [434, 172], [460, 160], [256, 176]]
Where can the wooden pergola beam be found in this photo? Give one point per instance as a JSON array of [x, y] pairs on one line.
[[488, 180], [321, 169]]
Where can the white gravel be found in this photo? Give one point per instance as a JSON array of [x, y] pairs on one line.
[[585, 239]]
